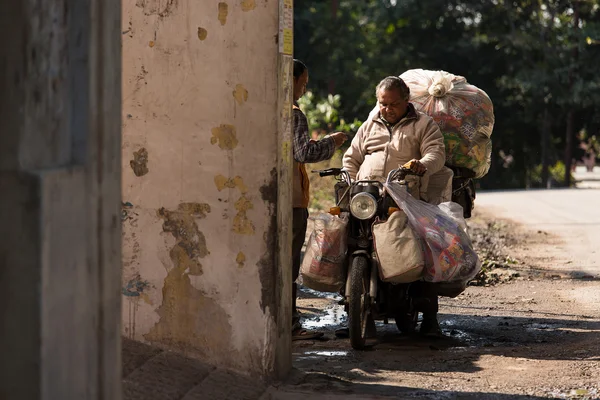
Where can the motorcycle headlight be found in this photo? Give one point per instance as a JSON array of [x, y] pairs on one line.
[[363, 206]]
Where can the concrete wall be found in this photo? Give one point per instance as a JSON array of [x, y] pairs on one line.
[[60, 100], [201, 149]]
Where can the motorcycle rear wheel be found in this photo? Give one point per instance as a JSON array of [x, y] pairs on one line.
[[359, 302]]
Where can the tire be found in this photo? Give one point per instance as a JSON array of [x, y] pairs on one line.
[[407, 323], [359, 303]]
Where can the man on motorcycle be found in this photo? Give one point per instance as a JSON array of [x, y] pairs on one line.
[[391, 137]]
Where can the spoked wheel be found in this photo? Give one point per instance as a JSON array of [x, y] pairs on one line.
[[359, 302], [407, 322]]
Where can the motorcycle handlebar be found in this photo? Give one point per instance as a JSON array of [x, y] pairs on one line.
[[401, 173], [328, 172], [396, 174]]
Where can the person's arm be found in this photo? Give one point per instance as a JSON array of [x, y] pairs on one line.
[[355, 155], [306, 150], [432, 148]]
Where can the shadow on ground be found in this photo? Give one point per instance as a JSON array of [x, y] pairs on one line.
[[306, 383]]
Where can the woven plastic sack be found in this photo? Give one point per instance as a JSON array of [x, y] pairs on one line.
[[449, 254], [463, 112], [323, 265], [399, 252]]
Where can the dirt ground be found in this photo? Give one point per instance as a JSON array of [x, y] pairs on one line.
[[526, 332]]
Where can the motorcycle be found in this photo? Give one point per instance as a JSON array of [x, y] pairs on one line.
[[365, 297]]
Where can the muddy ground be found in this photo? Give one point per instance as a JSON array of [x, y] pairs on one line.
[[525, 331]]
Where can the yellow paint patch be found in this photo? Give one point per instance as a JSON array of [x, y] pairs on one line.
[[202, 33], [248, 5], [223, 11], [146, 298], [243, 204], [239, 183], [151, 43], [184, 308], [225, 136], [221, 183], [241, 224], [189, 319], [240, 94], [240, 259], [286, 151]]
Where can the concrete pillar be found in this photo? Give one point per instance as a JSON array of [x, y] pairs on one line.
[[206, 183], [60, 99]]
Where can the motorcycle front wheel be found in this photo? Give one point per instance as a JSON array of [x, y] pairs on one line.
[[359, 303]]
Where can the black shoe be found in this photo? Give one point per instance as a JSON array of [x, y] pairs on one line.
[[430, 327], [342, 333]]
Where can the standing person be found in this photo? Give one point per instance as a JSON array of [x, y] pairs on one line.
[[305, 151]]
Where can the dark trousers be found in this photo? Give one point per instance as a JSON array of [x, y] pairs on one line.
[[299, 224], [426, 297]]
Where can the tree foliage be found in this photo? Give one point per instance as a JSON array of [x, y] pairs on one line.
[[537, 60]]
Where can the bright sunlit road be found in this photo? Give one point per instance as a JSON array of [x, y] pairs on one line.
[[572, 214]]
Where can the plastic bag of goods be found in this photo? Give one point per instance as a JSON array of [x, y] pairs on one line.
[[449, 254], [464, 113], [323, 265]]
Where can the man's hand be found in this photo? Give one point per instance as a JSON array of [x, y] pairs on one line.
[[416, 166], [339, 138]]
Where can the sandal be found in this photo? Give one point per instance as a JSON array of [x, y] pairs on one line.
[[303, 334]]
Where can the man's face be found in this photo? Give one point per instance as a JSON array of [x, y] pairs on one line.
[[391, 105], [300, 85]]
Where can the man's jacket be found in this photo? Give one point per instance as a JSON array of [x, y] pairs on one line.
[[377, 149]]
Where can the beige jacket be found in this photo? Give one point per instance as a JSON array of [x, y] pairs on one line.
[[375, 151]]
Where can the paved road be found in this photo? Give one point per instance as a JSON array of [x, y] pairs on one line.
[[571, 214]]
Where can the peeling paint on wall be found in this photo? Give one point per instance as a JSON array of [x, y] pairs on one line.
[[202, 33], [191, 243], [222, 182], [248, 5], [225, 136], [223, 11], [184, 308], [139, 164], [240, 259], [134, 290], [135, 287], [241, 224], [183, 311], [125, 210], [162, 8], [240, 94]]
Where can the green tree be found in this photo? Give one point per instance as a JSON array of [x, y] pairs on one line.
[[537, 61]]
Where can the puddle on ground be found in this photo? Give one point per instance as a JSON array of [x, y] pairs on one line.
[[305, 292], [540, 327], [448, 322], [319, 354], [333, 316]]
